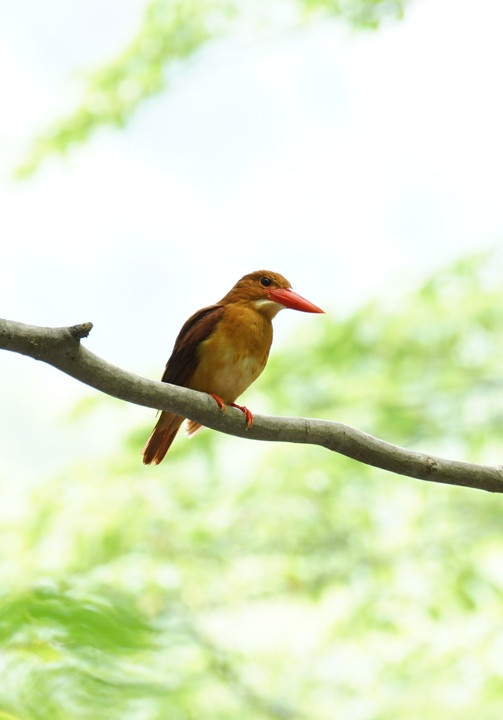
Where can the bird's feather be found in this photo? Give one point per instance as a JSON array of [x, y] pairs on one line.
[[184, 358], [191, 428], [161, 438], [179, 369]]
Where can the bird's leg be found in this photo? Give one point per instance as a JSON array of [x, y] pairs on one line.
[[219, 402], [247, 413], [223, 408]]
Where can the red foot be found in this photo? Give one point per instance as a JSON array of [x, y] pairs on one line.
[[219, 402], [248, 415]]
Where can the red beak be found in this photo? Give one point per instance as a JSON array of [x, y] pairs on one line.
[[290, 299]]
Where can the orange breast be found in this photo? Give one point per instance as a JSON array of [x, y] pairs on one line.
[[234, 355]]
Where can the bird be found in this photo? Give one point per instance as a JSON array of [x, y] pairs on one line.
[[222, 349]]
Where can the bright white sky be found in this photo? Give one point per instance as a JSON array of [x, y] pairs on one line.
[[352, 163]]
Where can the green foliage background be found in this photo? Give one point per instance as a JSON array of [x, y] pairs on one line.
[[172, 34], [270, 581]]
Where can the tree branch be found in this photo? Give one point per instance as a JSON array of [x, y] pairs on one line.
[[61, 347]]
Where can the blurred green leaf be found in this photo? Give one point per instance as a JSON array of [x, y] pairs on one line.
[[172, 33], [359, 13]]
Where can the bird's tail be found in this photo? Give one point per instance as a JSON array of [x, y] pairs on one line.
[[161, 438]]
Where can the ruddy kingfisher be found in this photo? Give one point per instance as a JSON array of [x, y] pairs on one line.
[[223, 348]]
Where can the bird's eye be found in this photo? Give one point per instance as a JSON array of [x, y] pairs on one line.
[[266, 281]]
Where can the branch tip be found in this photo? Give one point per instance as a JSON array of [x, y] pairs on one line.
[[80, 331]]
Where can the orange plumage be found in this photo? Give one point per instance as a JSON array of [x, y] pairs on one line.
[[223, 348]]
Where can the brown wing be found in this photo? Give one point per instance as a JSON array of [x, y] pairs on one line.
[[183, 361], [179, 369]]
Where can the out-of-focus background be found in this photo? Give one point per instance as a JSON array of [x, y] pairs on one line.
[[151, 155]]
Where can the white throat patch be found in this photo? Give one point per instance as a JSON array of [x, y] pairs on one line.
[[268, 307]]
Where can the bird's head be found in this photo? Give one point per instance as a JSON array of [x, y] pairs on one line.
[[269, 292]]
